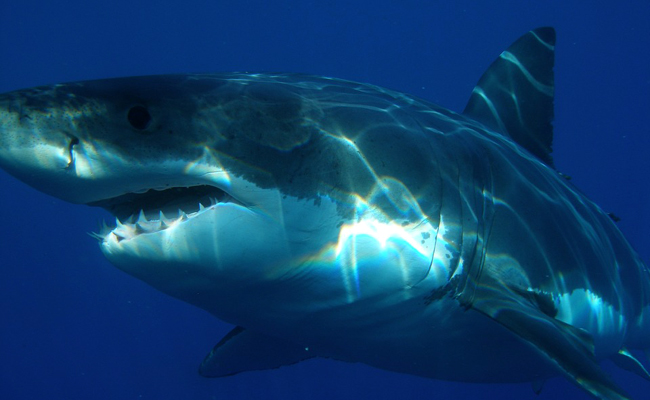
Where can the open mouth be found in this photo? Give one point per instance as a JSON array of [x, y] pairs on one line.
[[169, 201], [154, 210]]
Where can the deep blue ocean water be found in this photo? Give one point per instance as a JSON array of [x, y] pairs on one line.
[[74, 327]]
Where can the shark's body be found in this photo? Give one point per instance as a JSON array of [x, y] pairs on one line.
[[337, 219]]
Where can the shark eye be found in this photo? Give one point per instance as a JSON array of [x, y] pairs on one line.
[[139, 117]]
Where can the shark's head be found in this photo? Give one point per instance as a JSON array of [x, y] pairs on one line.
[[221, 183]]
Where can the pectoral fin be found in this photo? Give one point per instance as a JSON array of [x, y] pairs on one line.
[[241, 350], [567, 347], [624, 359]]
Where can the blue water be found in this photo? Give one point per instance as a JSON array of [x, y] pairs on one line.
[[74, 327]]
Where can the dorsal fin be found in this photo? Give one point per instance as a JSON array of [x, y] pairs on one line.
[[515, 95]]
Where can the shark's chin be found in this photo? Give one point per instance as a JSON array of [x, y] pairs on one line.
[[191, 255]]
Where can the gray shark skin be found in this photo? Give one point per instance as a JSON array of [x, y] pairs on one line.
[[327, 218]]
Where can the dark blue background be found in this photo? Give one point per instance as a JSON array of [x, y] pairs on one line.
[[74, 327]]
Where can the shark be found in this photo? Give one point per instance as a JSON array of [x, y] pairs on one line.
[[328, 218]]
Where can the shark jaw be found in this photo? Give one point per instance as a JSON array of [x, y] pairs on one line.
[[187, 242]]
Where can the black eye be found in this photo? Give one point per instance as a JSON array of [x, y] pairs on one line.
[[139, 117]]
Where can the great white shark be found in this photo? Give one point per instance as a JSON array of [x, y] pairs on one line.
[[327, 218]]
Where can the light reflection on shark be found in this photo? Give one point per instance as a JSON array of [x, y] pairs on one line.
[[329, 218]]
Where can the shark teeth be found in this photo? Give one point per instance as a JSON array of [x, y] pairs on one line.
[[141, 225], [142, 217]]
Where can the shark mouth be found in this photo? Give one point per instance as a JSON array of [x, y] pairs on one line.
[[155, 210]]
